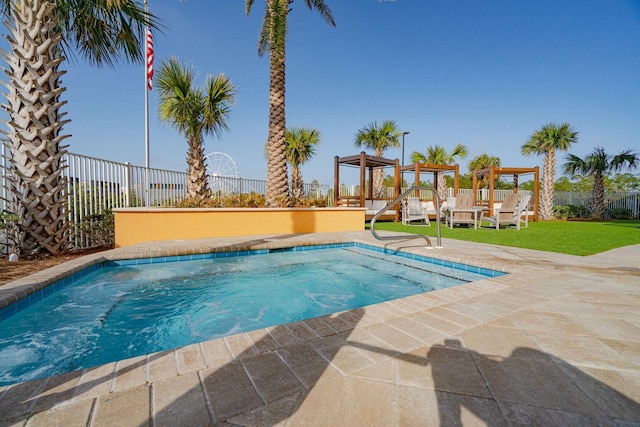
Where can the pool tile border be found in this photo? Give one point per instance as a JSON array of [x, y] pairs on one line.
[[231, 254], [46, 289]]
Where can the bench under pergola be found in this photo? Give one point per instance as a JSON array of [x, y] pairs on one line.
[[365, 163]]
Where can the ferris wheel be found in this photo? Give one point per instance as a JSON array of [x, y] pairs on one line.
[[223, 172]]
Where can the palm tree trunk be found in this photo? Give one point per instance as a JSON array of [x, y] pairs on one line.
[[546, 187], [277, 177], [596, 204], [197, 185], [297, 186], [441, 182], [35, 125], [378, 180], [378, 184]]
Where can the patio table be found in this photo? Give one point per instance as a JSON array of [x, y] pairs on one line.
[[477, 212]]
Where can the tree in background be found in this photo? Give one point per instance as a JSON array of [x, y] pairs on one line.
[[301, 146], [563, 184], [619, 183], [623, 182], [546, 141], [314, 188], [194, 112], [41, 33], [483, 161], [438, 155], [379, 138], [598, 164], [273, 39]]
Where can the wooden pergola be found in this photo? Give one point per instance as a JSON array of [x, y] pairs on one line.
[[418, 168], [366, 163], [494, 171]]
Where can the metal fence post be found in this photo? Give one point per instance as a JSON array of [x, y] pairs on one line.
[[127, 184]]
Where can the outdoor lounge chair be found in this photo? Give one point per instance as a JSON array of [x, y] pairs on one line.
[[412, 210], [511, 212]]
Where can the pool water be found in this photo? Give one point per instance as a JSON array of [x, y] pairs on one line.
[[122, 311]]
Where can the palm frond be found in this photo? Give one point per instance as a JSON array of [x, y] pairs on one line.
[[264, 40], [104, 32], [627, 158], [278, 26], [323, 9], [301, 144], [378, 138], [247, 6], [220, 94]]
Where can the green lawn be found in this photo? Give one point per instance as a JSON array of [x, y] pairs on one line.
[[567, 237]]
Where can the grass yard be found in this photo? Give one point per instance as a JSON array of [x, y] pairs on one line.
[[567, 237]]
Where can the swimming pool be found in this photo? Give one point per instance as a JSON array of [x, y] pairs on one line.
[[130, 308]]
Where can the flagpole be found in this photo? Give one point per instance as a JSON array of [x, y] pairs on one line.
[[147, 196]]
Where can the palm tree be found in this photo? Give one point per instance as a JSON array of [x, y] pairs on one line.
[[41, 33], [272, 38], [438, 155], [483, 161], [598, 164], [194, 112], [379, 139], [301, 146], [547, 140]]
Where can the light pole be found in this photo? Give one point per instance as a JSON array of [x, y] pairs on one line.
[[402, 174], [403, 134]]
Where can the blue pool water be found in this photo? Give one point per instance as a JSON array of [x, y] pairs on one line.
[[127, 309]]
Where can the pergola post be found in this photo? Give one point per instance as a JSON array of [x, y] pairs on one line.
[[492, 177], [475, 185], [363, 167], [455, 180], [336, 182], [536, 192], [397, 188]]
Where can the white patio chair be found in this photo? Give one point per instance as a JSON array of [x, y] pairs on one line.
[[511, 212], [412, 210]]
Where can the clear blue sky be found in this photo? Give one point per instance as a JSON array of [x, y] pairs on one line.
[[482, 73]]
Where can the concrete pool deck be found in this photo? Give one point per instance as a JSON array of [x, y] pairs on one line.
[[555, 342]]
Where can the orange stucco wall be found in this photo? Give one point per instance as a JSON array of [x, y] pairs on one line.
[[136, 225]]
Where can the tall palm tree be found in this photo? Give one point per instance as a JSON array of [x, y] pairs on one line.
[[41, 33], [194, 112], [598, 164], [379, 139], [547, 140], [301, 146], [273, 39], [483, 161], [438, 155]]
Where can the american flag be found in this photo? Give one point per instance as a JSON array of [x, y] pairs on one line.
[[149, 60]]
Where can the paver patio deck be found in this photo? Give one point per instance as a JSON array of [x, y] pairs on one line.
[[555, 342]]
